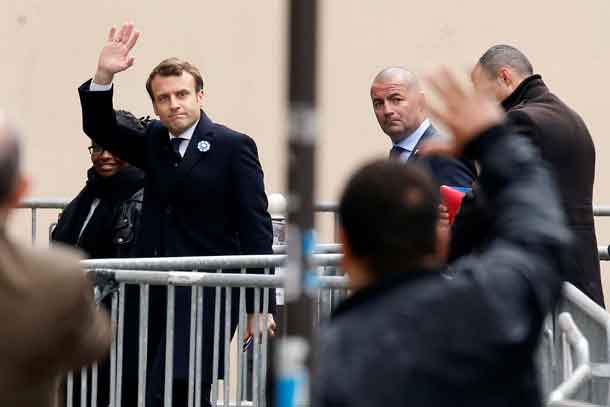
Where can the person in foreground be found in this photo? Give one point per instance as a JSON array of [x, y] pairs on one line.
[[51, 321], [410, 335]]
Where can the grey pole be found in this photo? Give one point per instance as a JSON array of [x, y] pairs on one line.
[[300, 230]]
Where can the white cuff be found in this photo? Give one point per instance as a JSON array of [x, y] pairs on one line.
[[96, 87]]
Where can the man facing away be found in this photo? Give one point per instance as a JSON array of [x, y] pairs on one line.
[[51, 324], [400, 107], [204, 194], [562, 139], [410, 335]]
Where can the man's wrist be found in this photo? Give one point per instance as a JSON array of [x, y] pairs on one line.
[[103, 78]]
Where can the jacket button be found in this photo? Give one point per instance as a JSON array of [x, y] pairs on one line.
[[168, 210], [120, 240], [175, 164]]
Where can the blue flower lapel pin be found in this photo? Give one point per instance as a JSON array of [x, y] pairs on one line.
[[203, 146]]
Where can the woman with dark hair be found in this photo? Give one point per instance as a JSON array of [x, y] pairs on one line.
[[102, 221]]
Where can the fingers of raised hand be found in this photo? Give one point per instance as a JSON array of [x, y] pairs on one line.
[[133, 38], [437, 147], [111, 34]]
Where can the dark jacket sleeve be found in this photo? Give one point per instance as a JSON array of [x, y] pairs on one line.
[[522, 265], [253, 220], [100, 124], [452, 172]]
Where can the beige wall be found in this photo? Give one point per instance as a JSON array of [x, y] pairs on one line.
[[48, 48]]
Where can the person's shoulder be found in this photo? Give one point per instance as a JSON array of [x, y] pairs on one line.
[[58, 260], [232, 138]]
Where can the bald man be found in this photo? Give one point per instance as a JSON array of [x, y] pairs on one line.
[[51, 322], [564, 142], [400, 107]]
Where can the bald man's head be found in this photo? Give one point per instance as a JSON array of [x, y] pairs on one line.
[[397, 74], [398, 102], [9, 159]]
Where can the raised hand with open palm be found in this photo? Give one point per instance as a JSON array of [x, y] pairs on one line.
[[115, 55]]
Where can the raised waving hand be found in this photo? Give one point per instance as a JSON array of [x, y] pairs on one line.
[[115, 55]]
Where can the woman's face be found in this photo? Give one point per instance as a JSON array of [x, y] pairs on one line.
[[105, 164]]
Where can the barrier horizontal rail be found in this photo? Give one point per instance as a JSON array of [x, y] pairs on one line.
[[206, 262], [325, 255], [189, 278], [60, 203]]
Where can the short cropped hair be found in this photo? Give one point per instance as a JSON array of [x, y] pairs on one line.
[[503, 55], [10, 162], [174, 67], [128, 119], [389, 212]]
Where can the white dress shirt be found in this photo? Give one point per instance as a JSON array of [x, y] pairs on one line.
[[408, 143]]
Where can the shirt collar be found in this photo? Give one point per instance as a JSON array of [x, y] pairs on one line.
[[186, 134], [409, 142]]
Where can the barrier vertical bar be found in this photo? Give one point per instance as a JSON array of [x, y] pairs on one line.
[[227, 342], [70, 390], [192, 340], [257, 338], [216, 345], [240, 352], [263, 396], [199, 347], [83, 387], [34, 224], [120, 345], [113, 350], [94, 377], [143, 344], [169, 346]]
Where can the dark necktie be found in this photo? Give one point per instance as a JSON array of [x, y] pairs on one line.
[[176, 141], [396, 152]]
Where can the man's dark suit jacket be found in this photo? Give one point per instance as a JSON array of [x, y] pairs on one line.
[[208, 203], [564, 142], [446, 171]]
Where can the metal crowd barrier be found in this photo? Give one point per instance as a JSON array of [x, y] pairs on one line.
[[34, 204], [575, 378], [172, 273]]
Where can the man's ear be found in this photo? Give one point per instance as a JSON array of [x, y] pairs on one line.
[[506, 76], [22, 187], [347, 249], [200, 96]]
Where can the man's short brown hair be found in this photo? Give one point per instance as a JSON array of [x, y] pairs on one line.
[[174, 67]]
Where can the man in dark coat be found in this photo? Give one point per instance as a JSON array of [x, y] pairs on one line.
[[400, 107], [204, 192], [563, 140], [411, 336]]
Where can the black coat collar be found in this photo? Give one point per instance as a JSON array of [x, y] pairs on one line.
[[531, 87], [383, 286]]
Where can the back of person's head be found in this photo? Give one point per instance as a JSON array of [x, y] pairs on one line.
[[12, 184], [505, 56], [389, 213], [128, 119], [174, 67]]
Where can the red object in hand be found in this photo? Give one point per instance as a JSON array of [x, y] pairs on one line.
[[452, 199]]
